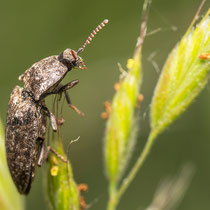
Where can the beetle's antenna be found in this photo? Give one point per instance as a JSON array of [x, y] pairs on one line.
[[89, 39]]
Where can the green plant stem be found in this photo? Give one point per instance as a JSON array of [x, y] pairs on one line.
[[115, 197], [112, 194]]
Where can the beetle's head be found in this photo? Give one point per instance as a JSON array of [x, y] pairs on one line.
[[71, 57]]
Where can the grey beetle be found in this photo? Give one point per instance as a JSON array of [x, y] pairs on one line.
[[25, 131], [27, 113], [25, 134], [43, 77]]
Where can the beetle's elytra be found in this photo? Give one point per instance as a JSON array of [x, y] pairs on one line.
[[25, 131], [27, 113]]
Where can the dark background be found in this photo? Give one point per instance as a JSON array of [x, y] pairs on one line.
[[32, 30]]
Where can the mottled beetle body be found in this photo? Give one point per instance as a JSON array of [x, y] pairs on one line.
[[25, 131], [44, 76], [27, 113]]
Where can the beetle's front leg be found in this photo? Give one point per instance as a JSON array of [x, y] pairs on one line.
[[71, 105], [63, 89]]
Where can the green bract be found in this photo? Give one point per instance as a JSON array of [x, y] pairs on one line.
[[61, 189], [10, 199], [183, 77]]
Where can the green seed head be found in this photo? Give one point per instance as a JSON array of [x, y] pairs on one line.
[[120, 131], [61, 189], [183, 76]]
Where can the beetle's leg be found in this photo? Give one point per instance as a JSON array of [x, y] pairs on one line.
[[50, 149], [41, 156], [44, 155], [71, 105], [60, 88], [53, 121], [52, 118], [63, 88]]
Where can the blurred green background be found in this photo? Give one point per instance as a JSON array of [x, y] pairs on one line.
[[32, 30]]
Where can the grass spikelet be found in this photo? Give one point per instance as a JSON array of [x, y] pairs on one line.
[[62, 192], [184, 75], [121, 127]]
